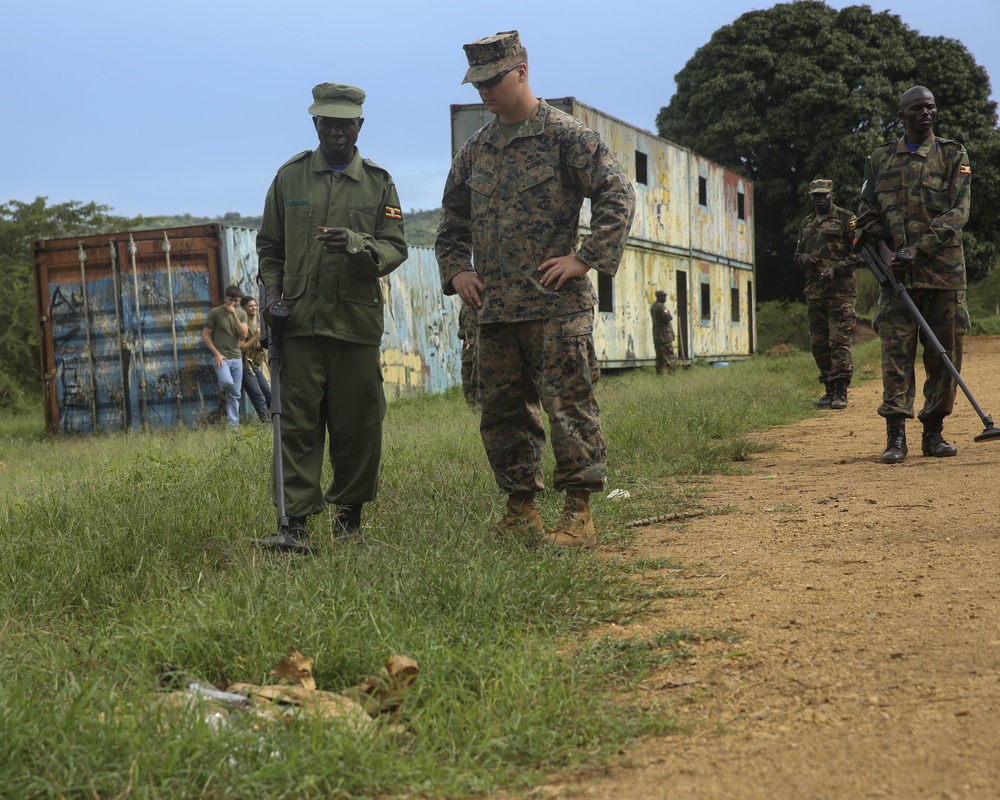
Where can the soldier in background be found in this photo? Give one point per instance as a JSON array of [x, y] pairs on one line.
[[824, 251], [915, 200], [663, 334], [513, 196]]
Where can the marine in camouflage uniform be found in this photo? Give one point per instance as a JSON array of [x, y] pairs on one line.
[[332, 226], [663, 334], [915, 200], [824, 251], [513, 199]]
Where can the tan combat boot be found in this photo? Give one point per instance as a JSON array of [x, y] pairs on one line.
[[576, 524], [522, 515]]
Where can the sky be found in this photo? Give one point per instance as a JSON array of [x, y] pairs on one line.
[[190, 106]]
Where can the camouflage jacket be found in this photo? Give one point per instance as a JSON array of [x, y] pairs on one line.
[[829, 239], [514, 204], [331, 294], [663, 329], [920, 199]]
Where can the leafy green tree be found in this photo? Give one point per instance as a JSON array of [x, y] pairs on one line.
[[801, 90], [21, 224]]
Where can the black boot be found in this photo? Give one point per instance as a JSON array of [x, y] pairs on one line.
[[839, 395], [932, 443], [895, 445], [348, 520], [827, 399]]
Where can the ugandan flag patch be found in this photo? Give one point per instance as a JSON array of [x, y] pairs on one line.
[[391, 212], [965, 169]]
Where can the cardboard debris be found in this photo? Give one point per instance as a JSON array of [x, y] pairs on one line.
[[383, 693], [296, 694], [295, 668]]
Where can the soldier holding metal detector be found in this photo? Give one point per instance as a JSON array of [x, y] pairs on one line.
[[915, 201], [332, 227]]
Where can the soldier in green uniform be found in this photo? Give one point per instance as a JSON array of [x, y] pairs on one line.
[[513, 198], [332, 227], [824, 251], [663, 334], [915, 201]]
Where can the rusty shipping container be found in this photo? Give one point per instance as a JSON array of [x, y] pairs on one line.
[[692, 237], [120, 320], [121, 316]]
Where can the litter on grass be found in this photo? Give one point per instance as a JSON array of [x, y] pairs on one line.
[[294, 695]]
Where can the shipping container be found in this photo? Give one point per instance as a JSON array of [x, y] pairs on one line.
[[120, 320], [692, 237]]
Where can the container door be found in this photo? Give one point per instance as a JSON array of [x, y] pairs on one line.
[[80, 320], [166, 292]]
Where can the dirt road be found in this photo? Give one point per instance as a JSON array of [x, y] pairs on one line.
[[846, 623]]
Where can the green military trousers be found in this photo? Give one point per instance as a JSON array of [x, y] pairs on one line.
[[330, 388]]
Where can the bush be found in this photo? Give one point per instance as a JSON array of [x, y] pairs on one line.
[[780, 322]]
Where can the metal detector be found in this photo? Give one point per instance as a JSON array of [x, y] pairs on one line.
[[281, 539], [889, 282]]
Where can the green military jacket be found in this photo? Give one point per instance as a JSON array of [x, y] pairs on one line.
[[331, 294], [512, 205], [830, 240], [920, 199]]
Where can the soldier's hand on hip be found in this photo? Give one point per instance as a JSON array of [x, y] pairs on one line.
[[560, 269], [469, 288]]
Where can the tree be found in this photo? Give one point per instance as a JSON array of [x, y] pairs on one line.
[[21, 224], [800, 91]]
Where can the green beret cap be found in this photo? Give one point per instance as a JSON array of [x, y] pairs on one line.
[[337, 100], [821, 187], [490, 56]]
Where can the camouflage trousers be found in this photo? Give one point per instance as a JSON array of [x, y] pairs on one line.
[[948, 317], [831, 333], [525, 367], [470, 371], [665, 357]]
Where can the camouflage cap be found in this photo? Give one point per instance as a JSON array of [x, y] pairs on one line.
[[821, 187], [495, 54], [337, 100]]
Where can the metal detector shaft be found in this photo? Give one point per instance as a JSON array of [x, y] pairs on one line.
[[889, 282], [274, 365]]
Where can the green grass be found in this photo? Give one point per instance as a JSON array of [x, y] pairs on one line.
[[123, 553]]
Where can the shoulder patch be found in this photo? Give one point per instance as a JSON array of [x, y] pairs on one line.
[[392, 212], [965, 169], [296, 157]]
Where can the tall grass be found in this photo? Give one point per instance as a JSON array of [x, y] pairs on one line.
[[122, 553]]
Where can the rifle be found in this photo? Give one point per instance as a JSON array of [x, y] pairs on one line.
[[891, 283]]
